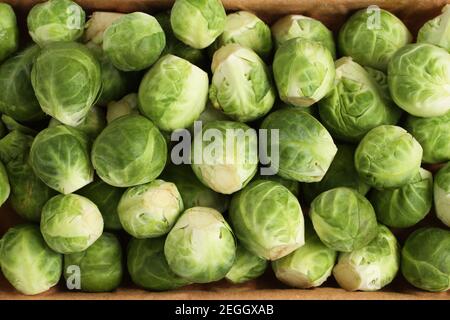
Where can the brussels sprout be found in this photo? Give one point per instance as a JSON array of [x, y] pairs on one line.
[[267, 219], [227, 162], [211, 114], [115, 82], [198, 23], [60, 157], [13, 125], [342, 173], [18, 99], [56, 21], [246, 266], [27, 262], [201, 246], [343, 219], [425, 257], [442, 194], [193, 192], [371, 39], [125, 106], [304, 72], [356, 104], [437, 31], [150, 210], [418, 77], [98, 22], [405, 206], [433, 134], [308, 266], [241, 85], [381, 80], [388, 157], [100, 265], [70, 223], [4, 184], [148, 266], [298, 26], [129, 151], [9, 33], [15, 145], [306, 149], [175, 46], [247, 30], [92, 125], [106, 198], [66, 78], [372, 267], [292, 185], [134, 41], [173, 93]]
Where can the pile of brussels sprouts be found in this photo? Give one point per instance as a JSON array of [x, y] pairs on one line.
[[89, 108]]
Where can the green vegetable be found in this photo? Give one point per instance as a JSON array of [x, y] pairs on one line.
[[292, 185], [200, 247], [9, 33], [425, 257], [442, 194], [125, 106], [267, 219], [437, 30], [5, 188], [246, 266]]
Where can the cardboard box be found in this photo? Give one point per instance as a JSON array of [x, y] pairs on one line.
[[333, 13]]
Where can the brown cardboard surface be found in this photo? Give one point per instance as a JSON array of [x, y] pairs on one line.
[[332, 12]]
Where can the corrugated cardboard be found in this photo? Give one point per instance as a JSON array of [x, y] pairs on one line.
[[332, 13]]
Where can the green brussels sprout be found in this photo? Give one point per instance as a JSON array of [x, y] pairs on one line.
[[343, 219], [382, 81], [100, 265], [267, 219], [148, 266], [98, 22], [342, 173], [433, 134], [134, 41], [292, 185], [125, 106], [173, 93], [27, 262], [60, 157], [176, 47], [5, 188], [28, 192], [241, 84], [70, 223], [193, 192], [222, 168], [66, 78], [150, 210], [56, 21], [388, 157], [201, 246], [247, 30], [304, 72], [306, 149], [298, 26], [129, 151], [425, 257], [371, 267], [407, 205], [13, 125], [92, 125], [308, 266], [106, 198], [115, 82], [247, 266], [372, 38], [9, 32], [356, 104], [442, 194], [211, 114], [437, 31], [198, 23], [18, 99], [418, 77]]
